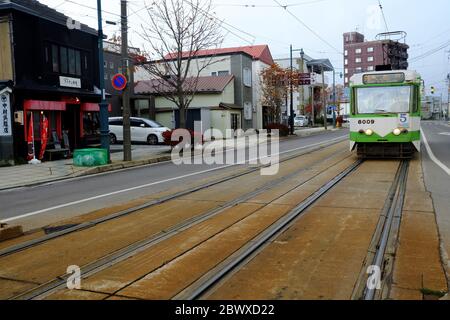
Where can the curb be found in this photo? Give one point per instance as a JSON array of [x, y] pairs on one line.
[[94, 171], [315, 133], [123, 165]]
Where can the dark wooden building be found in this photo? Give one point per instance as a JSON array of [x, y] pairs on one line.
[[49, 67]]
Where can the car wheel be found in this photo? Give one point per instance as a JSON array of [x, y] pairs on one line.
[[152, 140], [112, 138]]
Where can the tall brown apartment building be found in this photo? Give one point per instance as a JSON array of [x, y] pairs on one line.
[[362, 56]]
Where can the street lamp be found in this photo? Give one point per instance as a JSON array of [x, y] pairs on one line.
[[104, 123]]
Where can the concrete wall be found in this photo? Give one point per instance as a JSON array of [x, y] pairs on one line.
[[166, 119], [242, 93], [202, 100]]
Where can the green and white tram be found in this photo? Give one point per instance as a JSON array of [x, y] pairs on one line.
[[385, 114]]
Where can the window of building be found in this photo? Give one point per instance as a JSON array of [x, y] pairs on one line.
[[66, 61], [346, 53], [370, 49], [358, 60], [346, 61], [214, 74], [111, 65], [55, 60], [247, 77], [105, 64], [346, 79], [358, 70], [63, 60], [370, 59], [358, 51], [346, 70], [222, 73], [370, 68]]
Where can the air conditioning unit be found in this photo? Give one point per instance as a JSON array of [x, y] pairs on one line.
[[18, 117]]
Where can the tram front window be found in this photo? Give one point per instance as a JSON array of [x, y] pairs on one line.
[[373, 100]]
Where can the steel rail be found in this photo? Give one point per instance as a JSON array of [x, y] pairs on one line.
[[209, 280], [89, 224], [395, 210], [120, 255]]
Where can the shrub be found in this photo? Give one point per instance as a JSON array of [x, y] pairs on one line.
[[283, 129], [194, 136]]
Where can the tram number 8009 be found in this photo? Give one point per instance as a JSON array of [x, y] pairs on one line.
[[366, 122]]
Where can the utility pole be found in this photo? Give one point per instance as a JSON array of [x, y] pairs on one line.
[[324, 98], [302, 91], [291, 116], [313, 111], [334, 98], [448, 97], [127, 156], [104, 115]]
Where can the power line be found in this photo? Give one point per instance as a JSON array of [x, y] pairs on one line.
[[307, 27], [431, 52], [268, 5]]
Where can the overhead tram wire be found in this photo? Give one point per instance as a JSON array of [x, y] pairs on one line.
[[135, 12], [268, 5], [307, 27], [430, 52]]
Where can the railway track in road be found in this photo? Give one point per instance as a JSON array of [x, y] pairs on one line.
[[223, 281], [241, 257], [122, 213], [203, 283], [120, 255], [374, 282]]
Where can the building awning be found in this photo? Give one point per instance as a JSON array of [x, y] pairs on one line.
[[93, 107], [230, 106], [40, 105], [320, 64]]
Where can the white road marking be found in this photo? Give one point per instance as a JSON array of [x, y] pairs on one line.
[[65, 205], [445, 134], [432, 156]]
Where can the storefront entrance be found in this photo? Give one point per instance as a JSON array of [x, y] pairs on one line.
[[71, 125]]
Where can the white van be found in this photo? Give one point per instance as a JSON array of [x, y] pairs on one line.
[[142, 130]]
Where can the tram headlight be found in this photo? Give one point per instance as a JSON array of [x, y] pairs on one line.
[[369, 132], [397, 132]]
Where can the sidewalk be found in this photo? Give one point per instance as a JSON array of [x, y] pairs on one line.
[[306, 132], [28, 175]]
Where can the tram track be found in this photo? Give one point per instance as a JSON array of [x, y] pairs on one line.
[[376, 274], [113, 259], [204, 283], [119, 255], [123, 213]]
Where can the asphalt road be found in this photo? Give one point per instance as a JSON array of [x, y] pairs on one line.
[[35, 207], [438, 181]]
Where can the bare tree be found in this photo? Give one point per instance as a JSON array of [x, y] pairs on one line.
[[176, 32]]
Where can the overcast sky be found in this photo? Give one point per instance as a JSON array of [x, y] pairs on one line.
[[264, 22]]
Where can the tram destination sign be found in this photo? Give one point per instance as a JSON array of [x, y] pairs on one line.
[[5, 115]]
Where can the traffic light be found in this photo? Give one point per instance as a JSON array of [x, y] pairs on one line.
[[433, 90]]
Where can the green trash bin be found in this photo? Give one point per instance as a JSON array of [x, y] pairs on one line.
[[90, 157]]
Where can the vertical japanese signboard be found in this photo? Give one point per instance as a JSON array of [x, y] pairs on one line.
[[5, 115]]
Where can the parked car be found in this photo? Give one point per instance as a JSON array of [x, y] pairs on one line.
[[142, 130], [301, 121]]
